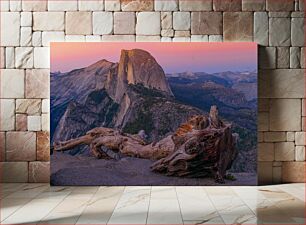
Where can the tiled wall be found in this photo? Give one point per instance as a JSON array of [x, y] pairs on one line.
[[28, 26]]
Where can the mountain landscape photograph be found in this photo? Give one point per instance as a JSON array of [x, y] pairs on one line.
[[153, 114]]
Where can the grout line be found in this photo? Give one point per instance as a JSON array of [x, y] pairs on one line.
[[149, 205], [178, 201], [116, 204]]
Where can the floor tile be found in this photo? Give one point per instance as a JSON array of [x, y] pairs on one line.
[[100, 208], [132, 207]]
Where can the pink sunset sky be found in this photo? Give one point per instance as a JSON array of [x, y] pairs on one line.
[[173, 57]]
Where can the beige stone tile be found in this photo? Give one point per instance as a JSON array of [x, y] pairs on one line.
[[10, 29], [37, 83], [267, 57], [102, 22], [15, 6], [293, 172], [170, 5], [167, 33], [147, 38], [283, 5], [75, 38], [34, 5], [253, 5], [283, 57], [300, 153], [25, 36], [28, 106], [118, 38], [41, 57], [263, 121], [264, 173], [26, 19], [279, 32], [265, 152], [284, 151], [181, 39], [37, 39], [92, 38], [43, 146], [181, 20], [297, 32], [166, 20], [39, 172], [112, 5], [300, 138], [24, 57], [197, 5], [261, 28], [78, 23], [48, 21], [166, 39], [12, 83], [20, 146], [2, 146], [52, 36], [199, 38], [5, 5], [238, 26], [10, 57], [230, 5], [95, 5], [279, 14], [56, 5], [2, 58], [285, 115], [274, 136], [14, 171], [295, 57], [182, 33], [137, 5], [7, 114], [206, 23], [124, 22], [263, 105], [21, 122], [290, 136], [281, 83], [34, 123], [260, 136], [277, 174], [45, 122], [303, 107], [45, 105], [142, 27]]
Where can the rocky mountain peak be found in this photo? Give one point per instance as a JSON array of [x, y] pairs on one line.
[[100, 64], [137, 66]]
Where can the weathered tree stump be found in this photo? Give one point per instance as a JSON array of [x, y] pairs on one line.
[[202, 147]]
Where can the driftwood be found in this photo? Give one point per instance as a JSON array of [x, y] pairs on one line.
[[202, 147]]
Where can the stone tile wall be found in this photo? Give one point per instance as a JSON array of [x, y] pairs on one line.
[[28, 26]]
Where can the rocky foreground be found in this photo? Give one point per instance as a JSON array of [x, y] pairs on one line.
[[89, 171]]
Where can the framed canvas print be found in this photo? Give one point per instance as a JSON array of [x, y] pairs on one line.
[[153, 114]]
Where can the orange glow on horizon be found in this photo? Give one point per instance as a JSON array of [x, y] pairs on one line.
[[173, 57]]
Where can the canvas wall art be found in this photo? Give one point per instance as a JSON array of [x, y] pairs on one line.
[[153, 114]]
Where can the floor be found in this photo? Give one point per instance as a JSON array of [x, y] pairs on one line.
[[42, 204]]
